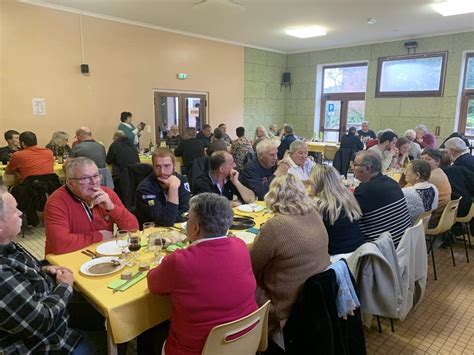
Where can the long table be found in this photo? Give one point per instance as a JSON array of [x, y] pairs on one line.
[[318, 147], [135, 310]]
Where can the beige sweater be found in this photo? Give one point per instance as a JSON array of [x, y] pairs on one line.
[[288, 250], [439, 179]]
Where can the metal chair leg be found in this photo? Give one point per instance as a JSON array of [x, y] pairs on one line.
[[432, 256], [391, 325], [464, 241], [469, 235], [378, 324], [450, 238]]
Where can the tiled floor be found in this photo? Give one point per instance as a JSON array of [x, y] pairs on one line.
[[442, 324]]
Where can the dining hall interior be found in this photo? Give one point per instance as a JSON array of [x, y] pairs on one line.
[[360, 90]]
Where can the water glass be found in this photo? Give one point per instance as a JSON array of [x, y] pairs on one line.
[[121, 240], [146, 231], [155, 243]]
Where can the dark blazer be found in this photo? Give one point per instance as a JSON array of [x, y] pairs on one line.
[[462, 185], [285, 145], [121, 153], [466, 160], [351, 142]]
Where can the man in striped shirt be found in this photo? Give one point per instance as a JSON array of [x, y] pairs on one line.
[[381, 200]]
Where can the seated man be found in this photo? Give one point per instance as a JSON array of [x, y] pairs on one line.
[[33, 315], [121, 153], [173, 138], [259, 173], [386, 149], [209, 283], [223, 179], [82, 212], [31, 160], [366, 134], [383, 205], [286, 141], [205, 135], [190, 149], [13, 139], [164, 195], [351, 141], [460, 153], [87, 147]]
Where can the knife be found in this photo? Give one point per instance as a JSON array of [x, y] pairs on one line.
[[137, 275]]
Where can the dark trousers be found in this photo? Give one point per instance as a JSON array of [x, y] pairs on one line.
[[151, 341]]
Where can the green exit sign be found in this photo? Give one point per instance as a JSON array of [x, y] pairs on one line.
[[182, 76]]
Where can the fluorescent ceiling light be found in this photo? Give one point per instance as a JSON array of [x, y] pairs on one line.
[[454, 7], [306, 32]]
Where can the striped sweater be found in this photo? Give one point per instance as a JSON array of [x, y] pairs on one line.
[[384, 208]]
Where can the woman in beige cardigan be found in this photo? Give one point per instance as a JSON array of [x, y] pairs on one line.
[[291, 247]]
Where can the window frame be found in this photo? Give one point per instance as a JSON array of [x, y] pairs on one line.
[[466, 95], [426, 93]]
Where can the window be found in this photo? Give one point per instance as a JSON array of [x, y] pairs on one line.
[[411, 75], [466, 119]]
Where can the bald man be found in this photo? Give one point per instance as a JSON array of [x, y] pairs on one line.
[[87, 147]]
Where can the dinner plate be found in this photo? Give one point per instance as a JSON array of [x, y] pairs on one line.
[[108, 249], [247, 237], [242, 223], [106, 260], [252, 207]]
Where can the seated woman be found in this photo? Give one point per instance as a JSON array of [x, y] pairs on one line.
[[339, 209], [291, 247], [58, 144], [421, 195], [260, 135], [300, 165], [209, 283], [403, 146]]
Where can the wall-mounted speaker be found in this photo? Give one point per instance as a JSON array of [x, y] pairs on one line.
[[85, 68], [286, 79]]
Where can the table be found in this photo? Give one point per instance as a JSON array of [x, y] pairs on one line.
[[128, 313], [318, 147]]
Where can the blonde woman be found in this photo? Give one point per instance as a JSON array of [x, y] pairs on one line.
[[58, 143], [338, 208], [260, 135], [291, 247]]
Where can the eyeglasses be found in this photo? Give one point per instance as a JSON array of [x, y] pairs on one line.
[[88, 179]]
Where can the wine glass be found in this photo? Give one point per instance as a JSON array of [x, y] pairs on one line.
[[155, 243], [134, 245], [146, 230], [121, 240]]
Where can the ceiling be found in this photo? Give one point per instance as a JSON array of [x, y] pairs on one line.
[[261, 23]]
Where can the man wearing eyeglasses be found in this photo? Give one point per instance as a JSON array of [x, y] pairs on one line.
[[82, 212]]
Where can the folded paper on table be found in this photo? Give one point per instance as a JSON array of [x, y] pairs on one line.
[[117, 283]]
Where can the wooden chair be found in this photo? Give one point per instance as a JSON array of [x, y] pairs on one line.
[[447, 220], [466, 230], [244, 336]]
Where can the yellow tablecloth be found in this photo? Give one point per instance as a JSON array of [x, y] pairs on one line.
[[318, 147], [131, 312]]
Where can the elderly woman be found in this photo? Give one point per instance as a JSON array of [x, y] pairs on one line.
[[421, 195], [260, 135], [221, 286], [439, 179], [339, 209], [291, 247], [415, 150], [58, 143], [300, 165], [424, 138]]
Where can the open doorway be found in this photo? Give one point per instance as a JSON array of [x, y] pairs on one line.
[[181, 109]]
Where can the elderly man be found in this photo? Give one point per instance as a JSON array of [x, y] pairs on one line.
[[286, 141], [415, 150], [190, 149], [460, 153], [259, 173], [273, 130], [13, 144], [87, 147], [164, 195], [82, 212], [223, 179], [300, 165], [33, 315], [121, 153], [380, 198], [365, 133], [173, 138], [209, 283], [227, 138], [386, 149], [424, 138]]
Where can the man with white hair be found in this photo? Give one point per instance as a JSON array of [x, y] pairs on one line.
[[415, 150], [460, 153], [424, 138], [365, 133], [259, 173]]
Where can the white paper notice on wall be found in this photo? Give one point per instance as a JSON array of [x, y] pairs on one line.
[[39, 106]]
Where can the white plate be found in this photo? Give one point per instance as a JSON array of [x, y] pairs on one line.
[[109, 248], [85, 267], [247, 237], [183, 225], [250, 208]]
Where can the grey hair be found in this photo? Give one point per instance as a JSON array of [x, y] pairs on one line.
[[364, 122], [410, 134], [421, 127], [120, 135], [264, 146], [288, 129], [371, 160], [72, 164], [456, 144], [213, 213], [3, 191], [295, 145]]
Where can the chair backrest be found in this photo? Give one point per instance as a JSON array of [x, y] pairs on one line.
[[448, 218], [468, 217], [425, 217], [241, 337], [330, 152]]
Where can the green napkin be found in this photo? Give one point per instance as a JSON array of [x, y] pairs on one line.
[[116, 283], [253, 230]]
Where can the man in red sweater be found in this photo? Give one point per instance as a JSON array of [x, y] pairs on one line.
[[209, 283], [82, 212]]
